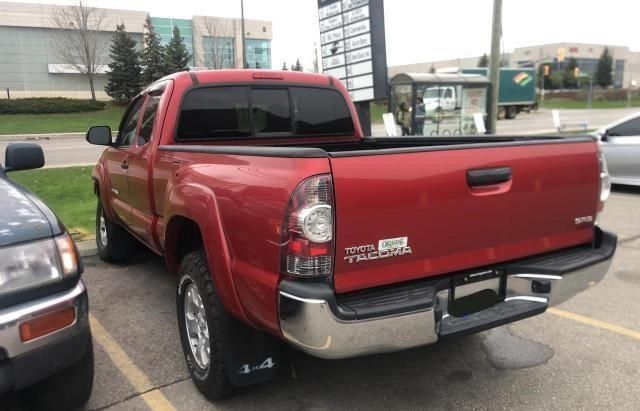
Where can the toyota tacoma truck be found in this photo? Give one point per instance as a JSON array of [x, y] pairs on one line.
[[284, 223]]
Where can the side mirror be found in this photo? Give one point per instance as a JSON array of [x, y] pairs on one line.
[[23, 156], [99, 135]]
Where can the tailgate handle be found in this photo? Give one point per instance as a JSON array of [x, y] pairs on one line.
[[488, 176]]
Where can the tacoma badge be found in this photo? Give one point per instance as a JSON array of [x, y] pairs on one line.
[[390, 247]]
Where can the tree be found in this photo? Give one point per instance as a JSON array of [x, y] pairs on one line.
[[124, 69], [176, 54], [483, 61], [569, 76], [604, 77], [298, 66], [284, 66], [218, 47], [77, 41], [152, 56]]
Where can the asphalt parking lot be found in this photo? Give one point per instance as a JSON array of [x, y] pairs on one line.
[[583, 354]]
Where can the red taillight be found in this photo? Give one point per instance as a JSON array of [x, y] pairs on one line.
[[307, 233]]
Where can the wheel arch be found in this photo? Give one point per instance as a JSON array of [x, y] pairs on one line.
[[194, 223]]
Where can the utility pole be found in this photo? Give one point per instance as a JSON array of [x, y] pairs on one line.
[[494, 66], [244, 48]]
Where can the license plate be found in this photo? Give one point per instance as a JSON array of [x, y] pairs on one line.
[[476, 290]]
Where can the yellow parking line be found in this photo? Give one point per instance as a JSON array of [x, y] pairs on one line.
[[595, 323], [139, 380]]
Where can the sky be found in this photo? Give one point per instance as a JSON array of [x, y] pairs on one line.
[[421, 30]]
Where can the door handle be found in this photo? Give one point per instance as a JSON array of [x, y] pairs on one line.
[[488, 176], [124, 165]]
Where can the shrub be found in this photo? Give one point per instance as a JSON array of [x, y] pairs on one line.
[[48, 105]]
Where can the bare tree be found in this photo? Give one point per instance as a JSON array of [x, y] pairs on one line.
[[78, 42], [219, 43]]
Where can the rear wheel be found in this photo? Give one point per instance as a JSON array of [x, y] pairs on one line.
[[199, 319], [511, 112], [114, 242]]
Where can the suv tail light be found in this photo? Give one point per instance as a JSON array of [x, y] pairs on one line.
[[307, 235], [605, 181]]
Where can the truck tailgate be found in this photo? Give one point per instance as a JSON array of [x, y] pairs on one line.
[[458, 208]]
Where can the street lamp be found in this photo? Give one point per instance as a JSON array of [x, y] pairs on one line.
[[244, 58]]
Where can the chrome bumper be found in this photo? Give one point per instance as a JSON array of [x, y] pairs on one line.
[[312, 321], [11, 318]]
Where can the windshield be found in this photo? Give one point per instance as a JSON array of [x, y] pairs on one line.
[[433, 92]]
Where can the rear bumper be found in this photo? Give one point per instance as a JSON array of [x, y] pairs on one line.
[[315, 320]]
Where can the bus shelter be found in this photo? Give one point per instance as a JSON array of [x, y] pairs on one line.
[[435, 104]]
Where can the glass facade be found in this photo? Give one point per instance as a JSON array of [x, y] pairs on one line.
[[218, 52], [258, 53], [164, 27]]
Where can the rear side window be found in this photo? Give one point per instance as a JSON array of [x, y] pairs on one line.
[[320, 112], [239, 111], [217, 112]]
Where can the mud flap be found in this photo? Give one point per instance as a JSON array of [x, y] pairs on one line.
[[251, 356]]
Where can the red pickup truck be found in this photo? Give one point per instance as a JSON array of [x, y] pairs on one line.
[[283, 222]]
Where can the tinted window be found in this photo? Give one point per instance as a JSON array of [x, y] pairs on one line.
[[628, 128], [215, 112], [128, 131], [270, 110], [148, 119], [320, 111]]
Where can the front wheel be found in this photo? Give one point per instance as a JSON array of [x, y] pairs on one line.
[[114, 242]]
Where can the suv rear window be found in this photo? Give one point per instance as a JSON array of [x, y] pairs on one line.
[[230, 112]]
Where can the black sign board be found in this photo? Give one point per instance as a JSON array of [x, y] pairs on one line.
[[353, 46]]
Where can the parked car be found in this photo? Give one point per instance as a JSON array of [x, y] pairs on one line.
[[45, 340], [620, 144], [283, 222]]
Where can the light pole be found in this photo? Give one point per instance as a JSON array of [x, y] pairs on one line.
[[244, 49], [494, 66]]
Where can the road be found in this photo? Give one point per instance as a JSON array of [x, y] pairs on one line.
[[584, 354], [72, 149]]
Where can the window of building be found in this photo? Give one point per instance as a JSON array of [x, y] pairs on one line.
[[218, 52], [258, 53], [164, 27]]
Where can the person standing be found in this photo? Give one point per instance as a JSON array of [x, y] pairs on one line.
[[421, 113], [403, 119]]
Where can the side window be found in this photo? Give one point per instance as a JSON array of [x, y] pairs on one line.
[[448, 93], [628, 128], [148, 120], [215, 112], [271, 111], [126, 135]]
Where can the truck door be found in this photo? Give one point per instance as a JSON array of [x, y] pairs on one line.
[[117, 162], [140, 195]]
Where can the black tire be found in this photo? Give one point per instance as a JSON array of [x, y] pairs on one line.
[[511, 112], [213, 380], [118, 245], [69, 389]]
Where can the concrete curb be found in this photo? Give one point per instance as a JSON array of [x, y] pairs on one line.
[[87, 248], [45, 136]]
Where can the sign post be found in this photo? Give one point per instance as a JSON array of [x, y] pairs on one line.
[[354, 51]]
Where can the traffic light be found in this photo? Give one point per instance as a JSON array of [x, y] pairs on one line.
[[576, 72], [545, 70]]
